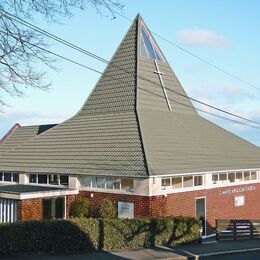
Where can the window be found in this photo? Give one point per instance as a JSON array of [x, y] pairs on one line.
[[187, 181], [246, 176], [53, 208], [86, 181], [231, 177], [148, 47], [127, 184], [110, 183], [215, 178], [117, 183], [99, 182], [253, 175], [222, 176], [53, 179], [177, 182], [166, 182], [42, 178], [15, 177], [198, 180], [32, 178], [239, 176], [64, 180], [234, 177], [7, 176]]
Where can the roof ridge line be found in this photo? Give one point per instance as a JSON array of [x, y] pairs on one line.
[[5, 137]]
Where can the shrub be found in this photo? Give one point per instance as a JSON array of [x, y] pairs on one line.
[[90, 234], [123, 233], [49, 236], [107, 209], [80, 208], [144, 232], [173, 231]]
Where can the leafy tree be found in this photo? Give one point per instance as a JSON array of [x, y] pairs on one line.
[[21, 48]]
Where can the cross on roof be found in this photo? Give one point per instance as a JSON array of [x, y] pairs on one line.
[[162, 84]]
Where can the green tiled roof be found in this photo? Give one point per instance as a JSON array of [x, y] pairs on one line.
[[103, 138], [125, 128], [21, 134]]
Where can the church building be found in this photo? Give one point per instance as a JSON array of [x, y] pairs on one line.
[[137, 140]]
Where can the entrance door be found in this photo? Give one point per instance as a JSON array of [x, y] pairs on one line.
[[200, 208], [53, 208]]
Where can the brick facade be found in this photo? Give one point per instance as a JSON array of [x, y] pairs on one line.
[[183, 204], [141, 203], [30, 209], [217, 205], [69, 201]]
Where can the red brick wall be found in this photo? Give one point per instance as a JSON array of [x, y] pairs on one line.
[[183, 204], [141, 203], [30, 209], [69, 201], [217, 206]]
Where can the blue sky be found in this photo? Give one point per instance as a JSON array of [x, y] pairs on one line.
[[223, 32]]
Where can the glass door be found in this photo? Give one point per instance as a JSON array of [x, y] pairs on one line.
[[53, 208], [200, 208]]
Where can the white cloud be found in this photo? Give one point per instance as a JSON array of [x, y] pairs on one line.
[[26, 114], [222, 93], [202, 38]]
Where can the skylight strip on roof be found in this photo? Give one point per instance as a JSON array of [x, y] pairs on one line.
[[152, 51]]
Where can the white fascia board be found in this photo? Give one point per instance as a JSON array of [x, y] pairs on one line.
[[198, 173], [35, 195]]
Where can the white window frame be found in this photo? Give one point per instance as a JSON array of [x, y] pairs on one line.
[[236, 181], [48, 183], [12, 177], [115, 180]]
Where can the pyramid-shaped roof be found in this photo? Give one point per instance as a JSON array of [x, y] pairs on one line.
[[136, 122]]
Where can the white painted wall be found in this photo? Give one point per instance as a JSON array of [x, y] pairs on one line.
[[23, 178], [74, 183]]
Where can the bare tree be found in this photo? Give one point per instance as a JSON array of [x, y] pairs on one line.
[[22, 48]]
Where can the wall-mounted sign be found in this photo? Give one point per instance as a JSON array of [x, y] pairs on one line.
[[239, 201], [237, 190], [125, 210]]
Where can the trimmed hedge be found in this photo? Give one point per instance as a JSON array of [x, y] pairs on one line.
[[146, 232], [95, 234], [49, 236], [107, 209], [81, 208]]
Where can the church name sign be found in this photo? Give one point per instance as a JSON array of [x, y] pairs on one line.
[[237, 190]]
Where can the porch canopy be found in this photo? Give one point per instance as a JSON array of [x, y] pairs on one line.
[[21, 192]]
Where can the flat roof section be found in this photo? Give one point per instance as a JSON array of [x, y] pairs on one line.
[[21, 191]]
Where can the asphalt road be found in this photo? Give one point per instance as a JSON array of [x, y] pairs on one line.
[[244, 256]]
